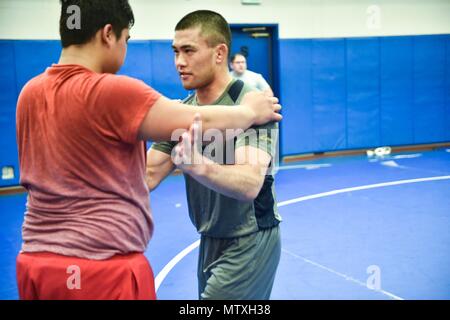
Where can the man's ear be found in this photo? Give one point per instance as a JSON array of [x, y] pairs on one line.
[[221, 53], [107, 34]]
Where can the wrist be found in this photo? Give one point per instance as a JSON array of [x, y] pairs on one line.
[[201, 168], [249, 114], [194, 168]]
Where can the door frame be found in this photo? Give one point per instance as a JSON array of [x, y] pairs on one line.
[[275, 47]]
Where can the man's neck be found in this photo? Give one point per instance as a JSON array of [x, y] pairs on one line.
[[80, 55], [210, 93]]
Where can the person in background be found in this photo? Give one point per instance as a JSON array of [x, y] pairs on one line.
[[238, 64]]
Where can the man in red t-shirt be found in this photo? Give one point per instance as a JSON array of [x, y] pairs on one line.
[[80, 134]]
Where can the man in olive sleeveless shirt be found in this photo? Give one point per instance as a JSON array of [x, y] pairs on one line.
[[231, 203]]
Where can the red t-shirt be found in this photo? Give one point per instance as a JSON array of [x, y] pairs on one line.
[[82, 163]]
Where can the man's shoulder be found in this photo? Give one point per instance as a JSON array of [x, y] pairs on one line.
[[35, 81], [116, 79], [246, 89], [249, 88], [190, 99], [252, 73], [34, 84], [111, 84]]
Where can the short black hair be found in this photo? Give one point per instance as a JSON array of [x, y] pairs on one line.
[[94, 15], [212, 26], [234, 55]]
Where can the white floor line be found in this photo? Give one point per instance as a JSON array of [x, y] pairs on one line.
[[407, 156], [305, 166], [391, 163], [168, 267], [346, 277], [366, 187]]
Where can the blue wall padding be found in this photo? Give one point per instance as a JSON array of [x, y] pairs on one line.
[[366, 92], [363, 94], [33, 57], [447, 88], [297, 108], [153, 63], [429, 89], [396, 88], [8, 98], [138, 61], [336, 93], [328, 94], [165, 76]]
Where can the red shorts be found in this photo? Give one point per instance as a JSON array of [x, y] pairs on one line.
[[48, 276]]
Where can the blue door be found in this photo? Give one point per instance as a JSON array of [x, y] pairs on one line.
[[259, 44], [256, 44]]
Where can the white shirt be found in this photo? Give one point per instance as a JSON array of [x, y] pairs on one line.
[[253, 79]]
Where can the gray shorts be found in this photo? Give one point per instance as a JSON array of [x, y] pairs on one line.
[[239, 268]]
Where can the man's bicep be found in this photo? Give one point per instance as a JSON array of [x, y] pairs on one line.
[[166, 119], [264, 137], [157, 157], [253, 156], [159, 166]]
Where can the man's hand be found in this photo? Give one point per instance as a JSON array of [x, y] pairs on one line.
[[264, 107], [187, 156], [242, 181]]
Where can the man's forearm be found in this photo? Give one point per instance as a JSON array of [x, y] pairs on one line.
[[222, 118], [166, 116], [154, 176], [241, 182], [159, 166]]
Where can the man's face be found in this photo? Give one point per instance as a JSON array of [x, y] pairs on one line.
[[194, 59], [117, 52], [239, 65]]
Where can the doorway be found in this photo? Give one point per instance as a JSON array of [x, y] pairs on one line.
[[259, 44]]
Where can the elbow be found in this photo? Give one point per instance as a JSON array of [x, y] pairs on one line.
[[254, 188], [250, 196], [251, 193], [151, 180], [151, 184]]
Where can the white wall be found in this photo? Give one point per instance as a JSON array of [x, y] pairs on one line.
[[155, 19]]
